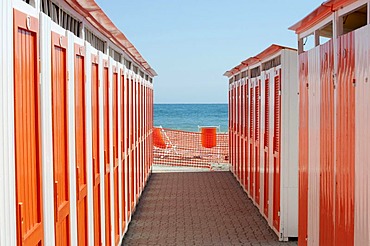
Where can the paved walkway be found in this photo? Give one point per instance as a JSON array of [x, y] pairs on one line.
[[206, 208]]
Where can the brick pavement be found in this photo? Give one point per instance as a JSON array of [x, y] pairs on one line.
[[206, 208]]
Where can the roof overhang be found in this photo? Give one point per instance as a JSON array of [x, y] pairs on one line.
[[319, 14], [96, 17], [251, 61]]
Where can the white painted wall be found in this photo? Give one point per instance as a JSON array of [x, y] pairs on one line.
[[289, 143]]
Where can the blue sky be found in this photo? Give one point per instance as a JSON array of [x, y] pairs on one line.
[[191, 43]]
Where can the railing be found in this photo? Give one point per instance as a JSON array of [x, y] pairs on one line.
[[182, 148]]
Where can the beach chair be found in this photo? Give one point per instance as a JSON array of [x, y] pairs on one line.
[[208, 140], [162, 143]]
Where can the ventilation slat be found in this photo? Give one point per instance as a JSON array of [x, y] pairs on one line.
[[276, 145], [267, 112], [59, 16], [95, 42]]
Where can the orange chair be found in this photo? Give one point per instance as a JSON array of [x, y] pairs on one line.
[[158, 140], [162, 142]]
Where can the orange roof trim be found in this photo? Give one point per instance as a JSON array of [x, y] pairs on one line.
[[96, 17], [273, 49], [320, 13]]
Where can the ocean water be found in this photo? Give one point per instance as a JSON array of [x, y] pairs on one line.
[[188, 117]]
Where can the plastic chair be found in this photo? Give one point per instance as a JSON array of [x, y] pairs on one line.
[[162, 141]]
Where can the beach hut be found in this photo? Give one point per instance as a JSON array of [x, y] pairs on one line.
[[334, 194], [264, 129], [76, 122]]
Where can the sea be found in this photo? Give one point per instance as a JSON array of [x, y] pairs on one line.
[[188, 117]]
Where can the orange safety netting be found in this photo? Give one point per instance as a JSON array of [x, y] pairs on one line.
[[193, 149]]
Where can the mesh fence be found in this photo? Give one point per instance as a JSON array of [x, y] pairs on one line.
[[182, 148]]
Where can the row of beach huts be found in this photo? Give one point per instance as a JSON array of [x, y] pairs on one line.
[[76, 110], [299, 128]]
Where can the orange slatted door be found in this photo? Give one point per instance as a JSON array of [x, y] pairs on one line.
[[251, 140], [137, 140], [266, 149], [276, 150], [231, 133], [234, 130], [107, 190], [81, 176], [132, 139], [128, 147], [27, 131], [257, 143], [231, 129], [246, 145], [327, 146], [95, 149], [123, 151], [230, 123], [147, 145], [142, 136], [115, 154], [138, 174], [238, 152], [236, 146], [345, 166], [136, 131], [303, 150], [60, 140], [145, 141], [242, 122]]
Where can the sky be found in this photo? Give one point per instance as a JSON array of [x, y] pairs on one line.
[[191, 43]]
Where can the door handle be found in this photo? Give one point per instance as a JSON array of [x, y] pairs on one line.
[[56, 201], [78, 181], [20, 229]]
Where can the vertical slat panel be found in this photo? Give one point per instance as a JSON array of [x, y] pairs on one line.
[[327, 145], [246, 142], [95, 150], [237, 116], [242, 150], [234, 129], [266, 140], [60, 140], [251, 138], [115, 154], [230, 123], [314, 146], [27, 130], [80, 124], [276, 150], [128, 141], [345, 165], [362, 136], [123, 147], [107, 190], [257, 141], [132, 158]]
